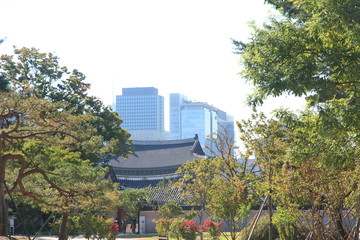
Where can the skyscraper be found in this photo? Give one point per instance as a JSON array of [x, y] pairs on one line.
[[188, 118], [176, 102], [142, 111]]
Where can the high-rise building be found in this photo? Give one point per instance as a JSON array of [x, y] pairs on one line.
[[142, 110], [188, 118], [176, 102]]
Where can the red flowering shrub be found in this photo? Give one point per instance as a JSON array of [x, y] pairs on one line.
[[212, 228], [188, 230], [113, 230], [190, 226], [180, 228]]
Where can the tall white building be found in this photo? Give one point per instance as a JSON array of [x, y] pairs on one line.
[[188, 118], [142, 110]]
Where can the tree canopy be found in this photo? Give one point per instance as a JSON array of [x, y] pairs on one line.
[[312, 50], [40, 75], [55, 135], [308, 159]]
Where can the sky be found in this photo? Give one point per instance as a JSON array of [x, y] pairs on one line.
[[175, 46]]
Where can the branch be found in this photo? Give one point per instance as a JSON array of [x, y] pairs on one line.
[[8, 115], [34, 196], [11, 115], [42, 133], [21, 170], [43, 173]]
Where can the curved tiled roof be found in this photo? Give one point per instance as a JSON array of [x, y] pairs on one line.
[[161, 190], [158, 155], [138, 184]]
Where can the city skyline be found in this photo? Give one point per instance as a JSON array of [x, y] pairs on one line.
[[180, 47]]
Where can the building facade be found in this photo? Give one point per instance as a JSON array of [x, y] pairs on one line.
[[176, 102], [188, 118], [142, 110]]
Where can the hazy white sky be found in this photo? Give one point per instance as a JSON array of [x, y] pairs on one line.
[[176, 46]]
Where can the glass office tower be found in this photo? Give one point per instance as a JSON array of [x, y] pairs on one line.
[[142, 110], [188, 118]]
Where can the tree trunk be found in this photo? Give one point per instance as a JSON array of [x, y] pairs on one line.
[[339, 224], [200, 216], [270, 217], [3, 224], [63, 232]]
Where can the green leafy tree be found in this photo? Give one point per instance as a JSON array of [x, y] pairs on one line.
[[40, 75], [131, 202], [305, 163], [323, 162], [312, 49], [232, 194], [32, 119], [169, 213], [49, 105], [196, 183], [220, 185], [267, 140], [170, 210]]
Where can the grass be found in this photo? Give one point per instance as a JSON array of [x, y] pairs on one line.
[[154, 236], [149, 236]]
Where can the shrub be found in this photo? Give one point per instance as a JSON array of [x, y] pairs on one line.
[[94, 227], [212, 228], [188, 230], [162, 226], [261, 231], [175, 228], [178, 228]]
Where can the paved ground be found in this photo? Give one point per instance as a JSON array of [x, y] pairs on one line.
[[80, 238], [70, 238]]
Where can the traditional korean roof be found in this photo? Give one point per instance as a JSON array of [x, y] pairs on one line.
[[151, 162], [151, 158], [161, 190]]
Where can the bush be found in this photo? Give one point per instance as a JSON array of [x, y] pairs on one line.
[[162, 226], [178, 228], [261, 231], [175, 228], [285, 226], [212, 228], [188, 230], [93, 227]]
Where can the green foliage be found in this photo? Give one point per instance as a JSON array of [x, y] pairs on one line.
[[261, 231], [181, 228], [196, 181], [313, 51], [304, 163], [285, 221], [221, 185], [178, 228], [170, 210], [169, 223], [131, 201], [3, 83], [163, 226], [309, 158], [54, 135], [175, 228], [33, 74], [93, 227]]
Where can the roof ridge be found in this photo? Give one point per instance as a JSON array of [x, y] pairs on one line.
[[162, 142]]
